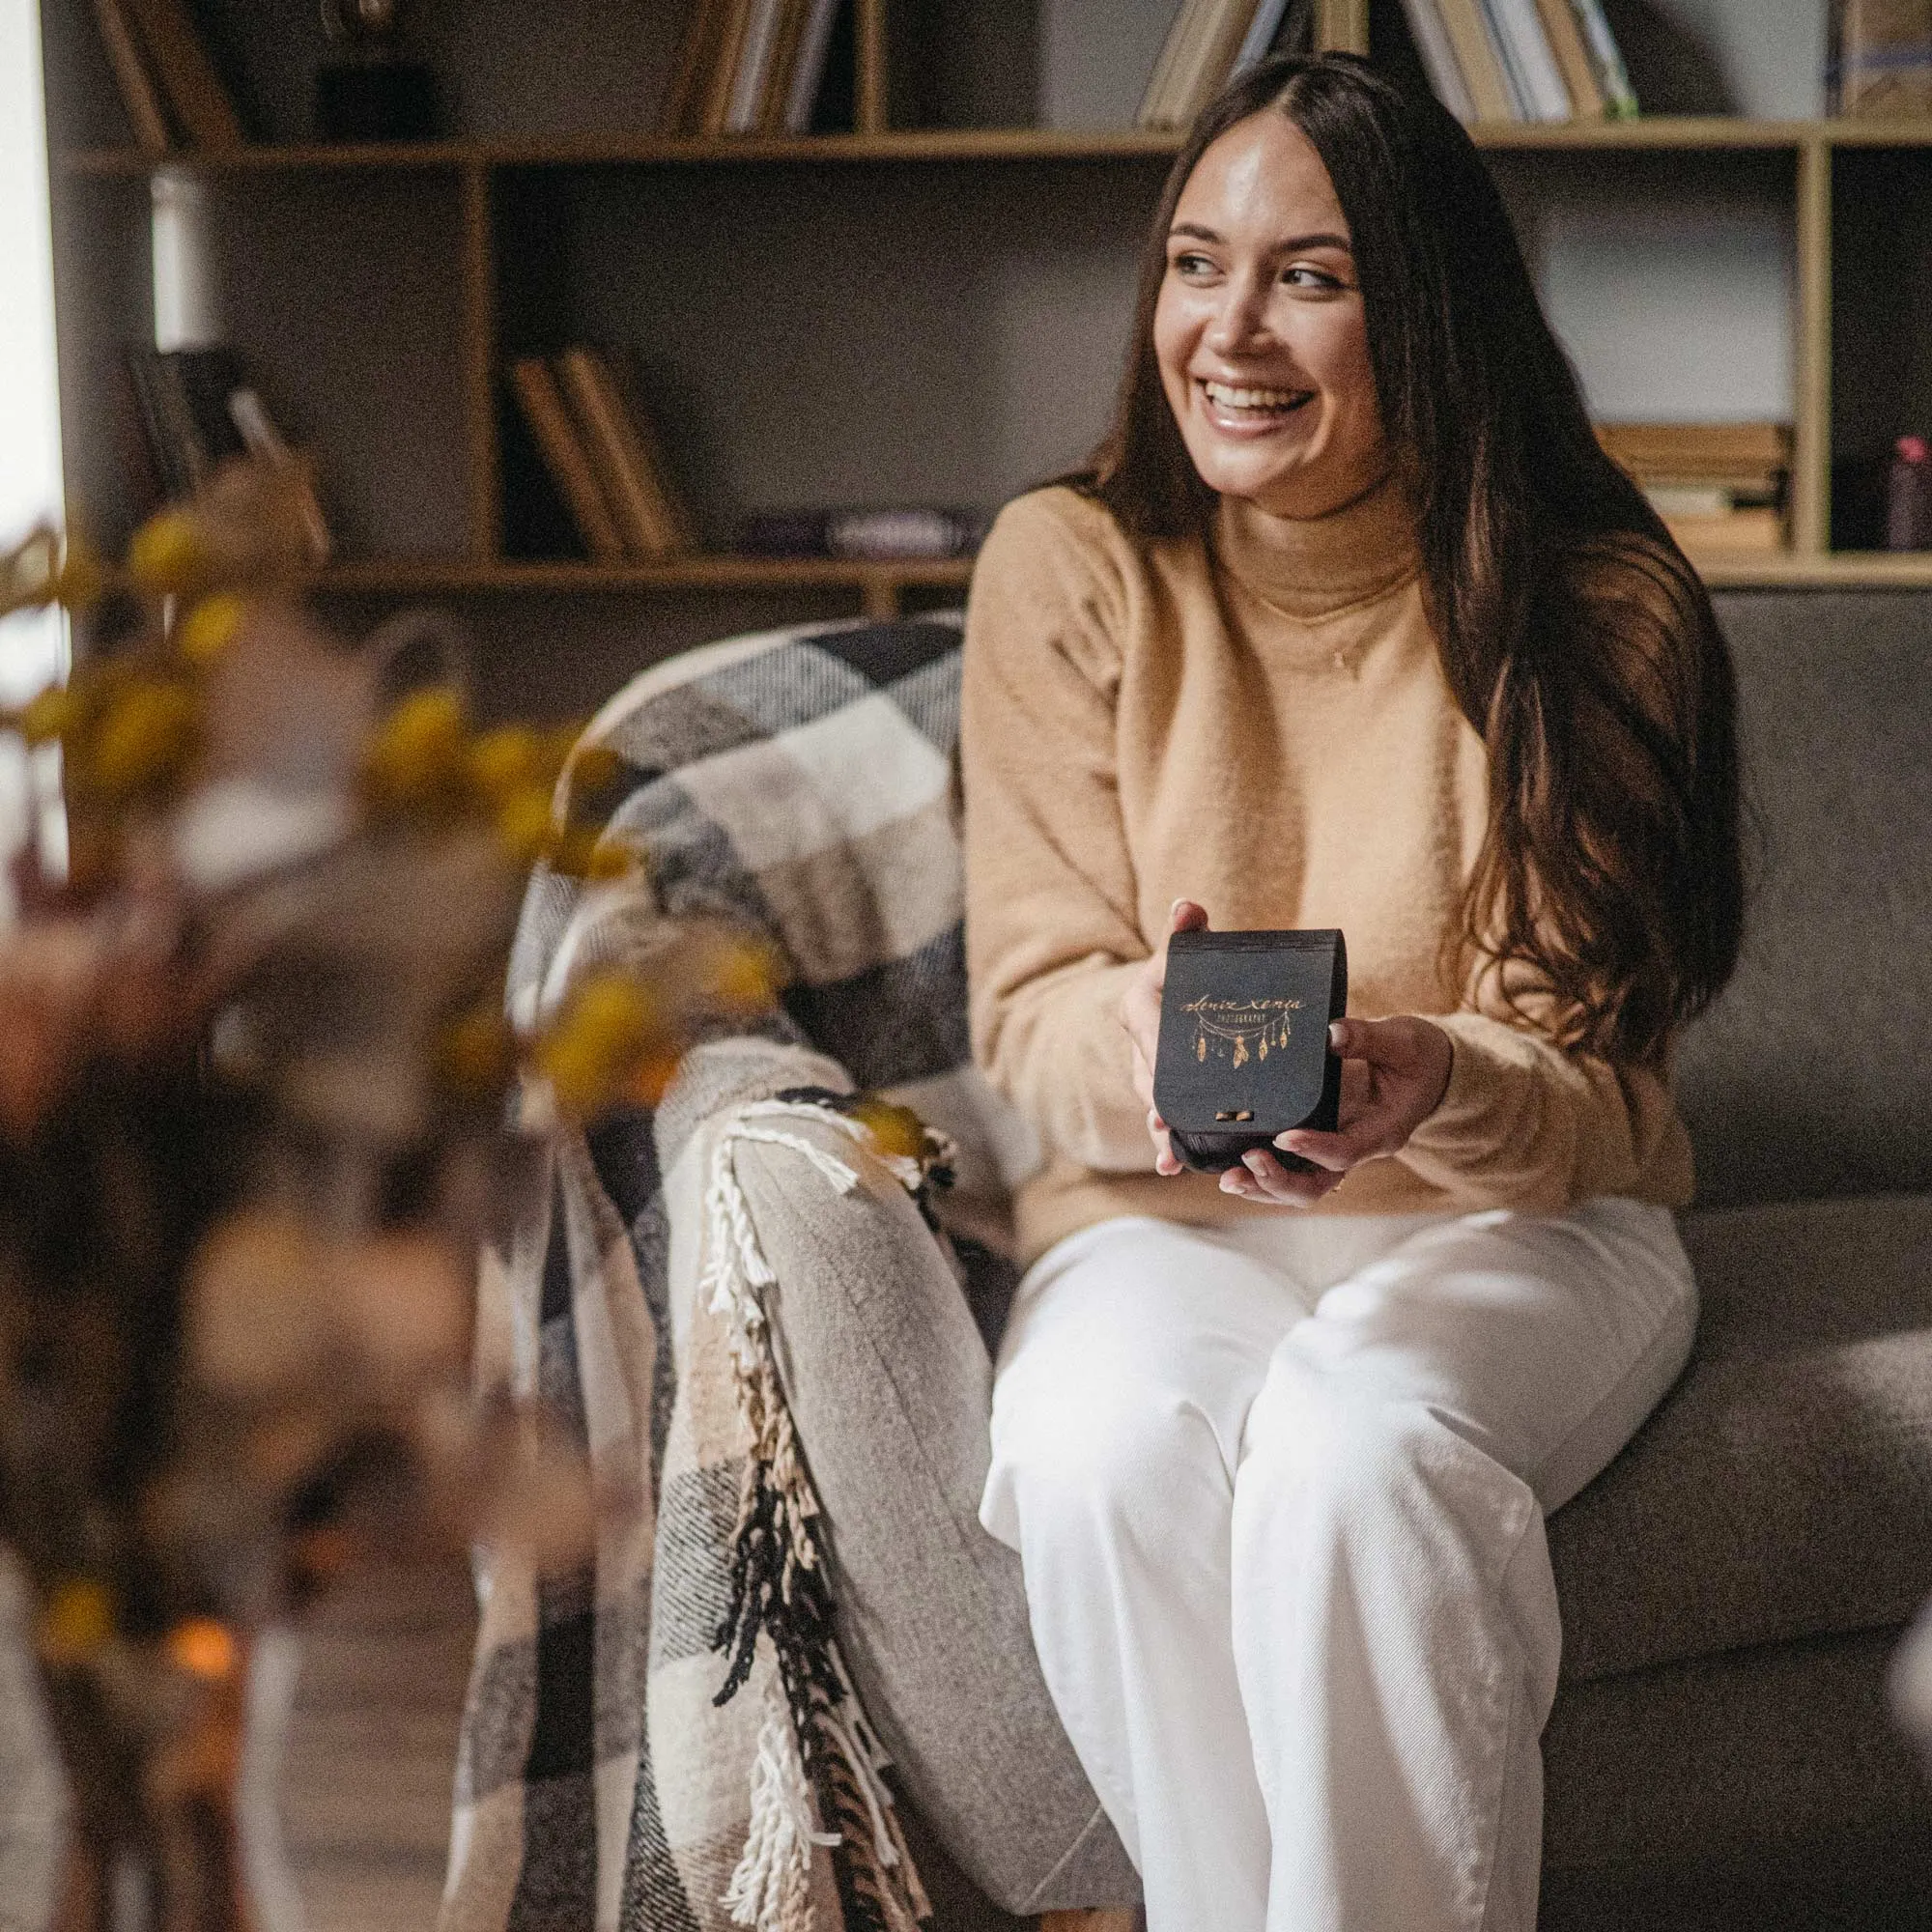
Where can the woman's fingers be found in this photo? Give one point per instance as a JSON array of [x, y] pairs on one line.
[[1260, 1177], [1165, 1159]]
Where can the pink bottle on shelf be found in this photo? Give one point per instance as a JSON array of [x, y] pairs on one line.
[[1908, 500]]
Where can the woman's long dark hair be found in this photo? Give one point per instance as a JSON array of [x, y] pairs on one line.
[[1580, 643]]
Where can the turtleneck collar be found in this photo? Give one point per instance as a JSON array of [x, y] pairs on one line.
[[1312, 567]]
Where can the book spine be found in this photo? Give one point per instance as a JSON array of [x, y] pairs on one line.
[[1265, 25], [683, 108], [809, 76], [201, 107], [1438, 57], [1606, 57], [171, 466], [133, 81], [1512, 78], [1566, 43], [193, 460], [1468, 33], [634, 429], [785, 64], [754, 61], [557, 444], [725, 69], [1221, 41], [1518, 28], [1226, 41], [597, 417], [1159, 87]]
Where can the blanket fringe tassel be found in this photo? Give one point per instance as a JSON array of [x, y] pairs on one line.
[[815, 1743]]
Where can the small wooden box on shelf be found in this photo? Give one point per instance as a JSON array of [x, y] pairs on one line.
[[921, 313]]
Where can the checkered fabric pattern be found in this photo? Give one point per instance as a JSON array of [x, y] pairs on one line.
[[800, 783]]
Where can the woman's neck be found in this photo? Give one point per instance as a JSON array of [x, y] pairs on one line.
[[1311, 566]]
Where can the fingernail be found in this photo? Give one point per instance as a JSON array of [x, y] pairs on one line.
[[1176, 907], [1286, 1140], [1335, 1036]]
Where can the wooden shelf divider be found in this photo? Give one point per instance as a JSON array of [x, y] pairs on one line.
[[1812, 426], [480, 367]]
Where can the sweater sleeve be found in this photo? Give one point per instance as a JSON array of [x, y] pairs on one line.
[[1540, 1128], [1052, 934]]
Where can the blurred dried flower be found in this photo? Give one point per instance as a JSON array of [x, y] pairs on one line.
[[256, 1088]]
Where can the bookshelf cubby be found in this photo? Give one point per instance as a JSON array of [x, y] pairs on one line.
[[928, 307]]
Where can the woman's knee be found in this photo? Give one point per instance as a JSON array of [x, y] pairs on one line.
[[1118, 1453], [1352, 1456]]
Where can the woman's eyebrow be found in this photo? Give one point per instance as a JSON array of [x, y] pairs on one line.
[[1293, 246]]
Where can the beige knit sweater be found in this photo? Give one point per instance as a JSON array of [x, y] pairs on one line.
[[1260, 723]]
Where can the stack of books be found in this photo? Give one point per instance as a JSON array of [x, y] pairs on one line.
[[1718, 487], [602, 457], [750, 66], [1209, 43], [893, 533], [1521, 60], [1881, 59], [173, 95]]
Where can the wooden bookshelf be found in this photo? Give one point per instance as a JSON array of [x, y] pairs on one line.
[[764, 283]]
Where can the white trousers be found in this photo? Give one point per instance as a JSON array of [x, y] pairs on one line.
[[1278, 1493]]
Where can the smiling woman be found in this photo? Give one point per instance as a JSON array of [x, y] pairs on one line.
[[1350, 625]]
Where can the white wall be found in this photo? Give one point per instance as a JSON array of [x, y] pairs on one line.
[[31, 648]]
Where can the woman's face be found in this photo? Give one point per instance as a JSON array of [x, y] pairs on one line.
[[1258, 330]]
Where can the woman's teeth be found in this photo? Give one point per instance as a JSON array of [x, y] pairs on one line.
[[1264, 402]]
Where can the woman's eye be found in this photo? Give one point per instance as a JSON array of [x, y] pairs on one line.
[[1304, 276], [1192, 265]]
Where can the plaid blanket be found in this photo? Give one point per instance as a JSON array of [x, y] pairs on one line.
[[800, 783]]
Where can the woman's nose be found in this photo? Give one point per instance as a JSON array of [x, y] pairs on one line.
[[1237, 320]]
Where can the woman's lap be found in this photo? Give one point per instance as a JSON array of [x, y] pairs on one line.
[[1544, 1341]]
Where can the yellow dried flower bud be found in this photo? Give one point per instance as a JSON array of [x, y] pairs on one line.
[[415, 756], [523, 825], [210, 627], [475, 1050], [204, 1648], [82, 576], [744, 977], [145, 738], [505, 762], [611, 858], [605, 1030], [51, 714], [75, 1621], [893, 1130], [167, 553]]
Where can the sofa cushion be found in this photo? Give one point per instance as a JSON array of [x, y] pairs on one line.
[[1761, 1791], [1802, 1082], [1783, 1489]]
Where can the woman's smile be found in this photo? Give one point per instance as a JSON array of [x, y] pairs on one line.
[[1249, 409]]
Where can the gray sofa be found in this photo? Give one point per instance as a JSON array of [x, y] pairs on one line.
[[1721, 1752], [1732, 1586]]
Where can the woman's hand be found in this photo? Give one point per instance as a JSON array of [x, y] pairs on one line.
[[1394, 1074], [1140, 1014]]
